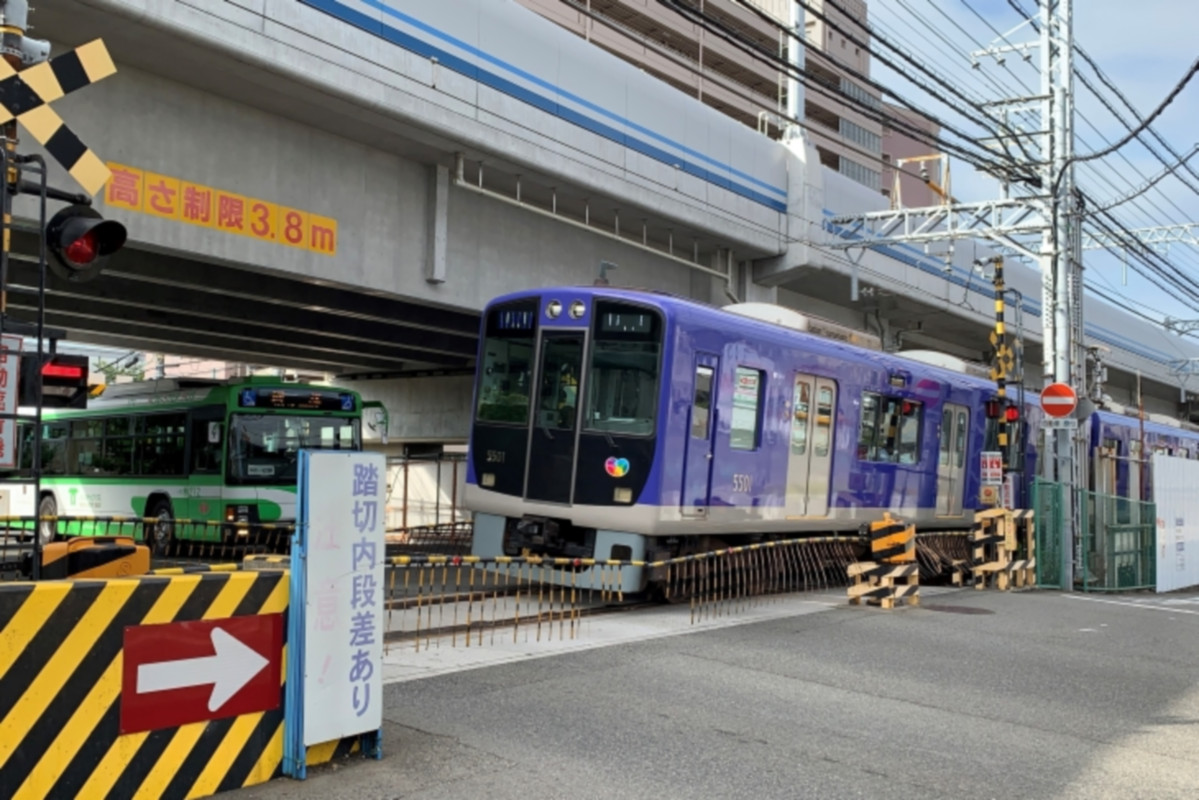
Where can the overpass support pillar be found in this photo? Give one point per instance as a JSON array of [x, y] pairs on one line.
[[439, 203]]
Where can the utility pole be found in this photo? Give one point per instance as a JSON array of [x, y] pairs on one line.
[[1041, 225], [1061, 256]]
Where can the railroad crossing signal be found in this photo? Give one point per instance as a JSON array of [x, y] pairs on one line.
[[26, 96], [1058, 400], [80, 240]]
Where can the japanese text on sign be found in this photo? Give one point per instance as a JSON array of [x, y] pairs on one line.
[[343, 671], [992, 466], [173, 198]]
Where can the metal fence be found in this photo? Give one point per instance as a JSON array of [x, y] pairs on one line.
[[1115, 551]]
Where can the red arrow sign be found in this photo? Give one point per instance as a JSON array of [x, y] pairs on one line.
[[1058, 400], [185, 672]]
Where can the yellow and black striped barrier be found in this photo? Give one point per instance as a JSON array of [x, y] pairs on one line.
[[95, 701], [892, 541], [884, 584], [1003, 548]]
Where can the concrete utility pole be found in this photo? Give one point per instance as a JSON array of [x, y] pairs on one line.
[[1042, 225], [1061, 264]]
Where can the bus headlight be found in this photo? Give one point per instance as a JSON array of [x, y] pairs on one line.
[[488, 480], [623, 494]]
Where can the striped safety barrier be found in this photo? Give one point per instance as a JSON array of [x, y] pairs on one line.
[[160, 686]]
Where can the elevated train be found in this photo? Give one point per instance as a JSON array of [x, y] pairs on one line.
[[633, 425]]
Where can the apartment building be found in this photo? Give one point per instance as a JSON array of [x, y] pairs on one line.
[[750, 88]]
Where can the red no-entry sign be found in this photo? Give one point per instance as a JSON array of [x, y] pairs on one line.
[[194, 671], [1058, 400]]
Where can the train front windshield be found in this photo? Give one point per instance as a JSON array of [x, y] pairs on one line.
[[622, 378], [620, 371]]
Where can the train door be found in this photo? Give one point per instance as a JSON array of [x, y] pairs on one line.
[[701, 438], [812, 400], [951, 460], [552, 443]]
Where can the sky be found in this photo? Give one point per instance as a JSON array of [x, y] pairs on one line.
[[1145, 48]]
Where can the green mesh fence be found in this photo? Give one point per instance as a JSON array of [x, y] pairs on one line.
[[1116, 540]]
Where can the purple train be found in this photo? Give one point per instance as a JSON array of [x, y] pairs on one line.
[[631, 425]]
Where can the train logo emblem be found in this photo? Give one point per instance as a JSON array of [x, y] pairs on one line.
[[617, 467], [1058, 400]]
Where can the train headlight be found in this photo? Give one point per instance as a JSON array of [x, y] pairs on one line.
[[622, 494], [553, 309], [577, 309], [488, 480]]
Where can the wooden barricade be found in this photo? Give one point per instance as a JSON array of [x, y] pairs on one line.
[[892, 541], [1003, 548], [883, 584], [894, 573]]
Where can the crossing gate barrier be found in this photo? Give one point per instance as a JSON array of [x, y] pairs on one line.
[[1003, 548], [96, 701]]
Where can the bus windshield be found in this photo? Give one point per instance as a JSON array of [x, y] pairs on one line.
[[265, 448]]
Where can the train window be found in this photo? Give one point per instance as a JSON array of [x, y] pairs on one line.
[[890, 429], [824, 421], [946, 432], [506, 372], [701, 407], [801, 417], [910, 415], [622, 380], [747, 397], [868, 432], [959, 449]]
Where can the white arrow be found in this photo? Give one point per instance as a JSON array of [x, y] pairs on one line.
[[232, 667]]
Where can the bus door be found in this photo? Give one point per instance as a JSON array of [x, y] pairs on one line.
[[554, 437], [701, 438], [951, 460], [206, 441]]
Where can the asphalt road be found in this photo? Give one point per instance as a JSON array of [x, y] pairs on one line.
[[975, 694]]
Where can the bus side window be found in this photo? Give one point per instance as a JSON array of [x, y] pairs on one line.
[[206, 446]]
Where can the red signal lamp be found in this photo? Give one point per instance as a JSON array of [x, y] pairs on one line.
[[52, 370], [81, 242], [1011, 414], [992, 409]]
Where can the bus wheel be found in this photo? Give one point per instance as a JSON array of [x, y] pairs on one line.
[[160, 535], [47, 507]]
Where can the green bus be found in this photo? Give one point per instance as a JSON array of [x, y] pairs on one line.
[[224, 453]]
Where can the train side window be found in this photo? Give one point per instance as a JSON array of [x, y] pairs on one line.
[[824, 421], [911, 414], [868, 432], [960, 445], [747, 397], [946, 434], [802, 398], [702, 403]]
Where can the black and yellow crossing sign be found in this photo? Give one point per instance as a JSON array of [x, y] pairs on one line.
[[26, 96]]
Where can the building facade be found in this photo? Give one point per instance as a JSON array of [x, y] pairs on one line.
[[737, 68]]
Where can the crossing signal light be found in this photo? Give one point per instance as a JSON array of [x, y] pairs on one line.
[[1012, 414], [63, 379], [81, 241]]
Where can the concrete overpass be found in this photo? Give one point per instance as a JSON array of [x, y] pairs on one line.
[[342, 184]]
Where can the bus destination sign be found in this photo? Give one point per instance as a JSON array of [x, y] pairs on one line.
[[297, 399]]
